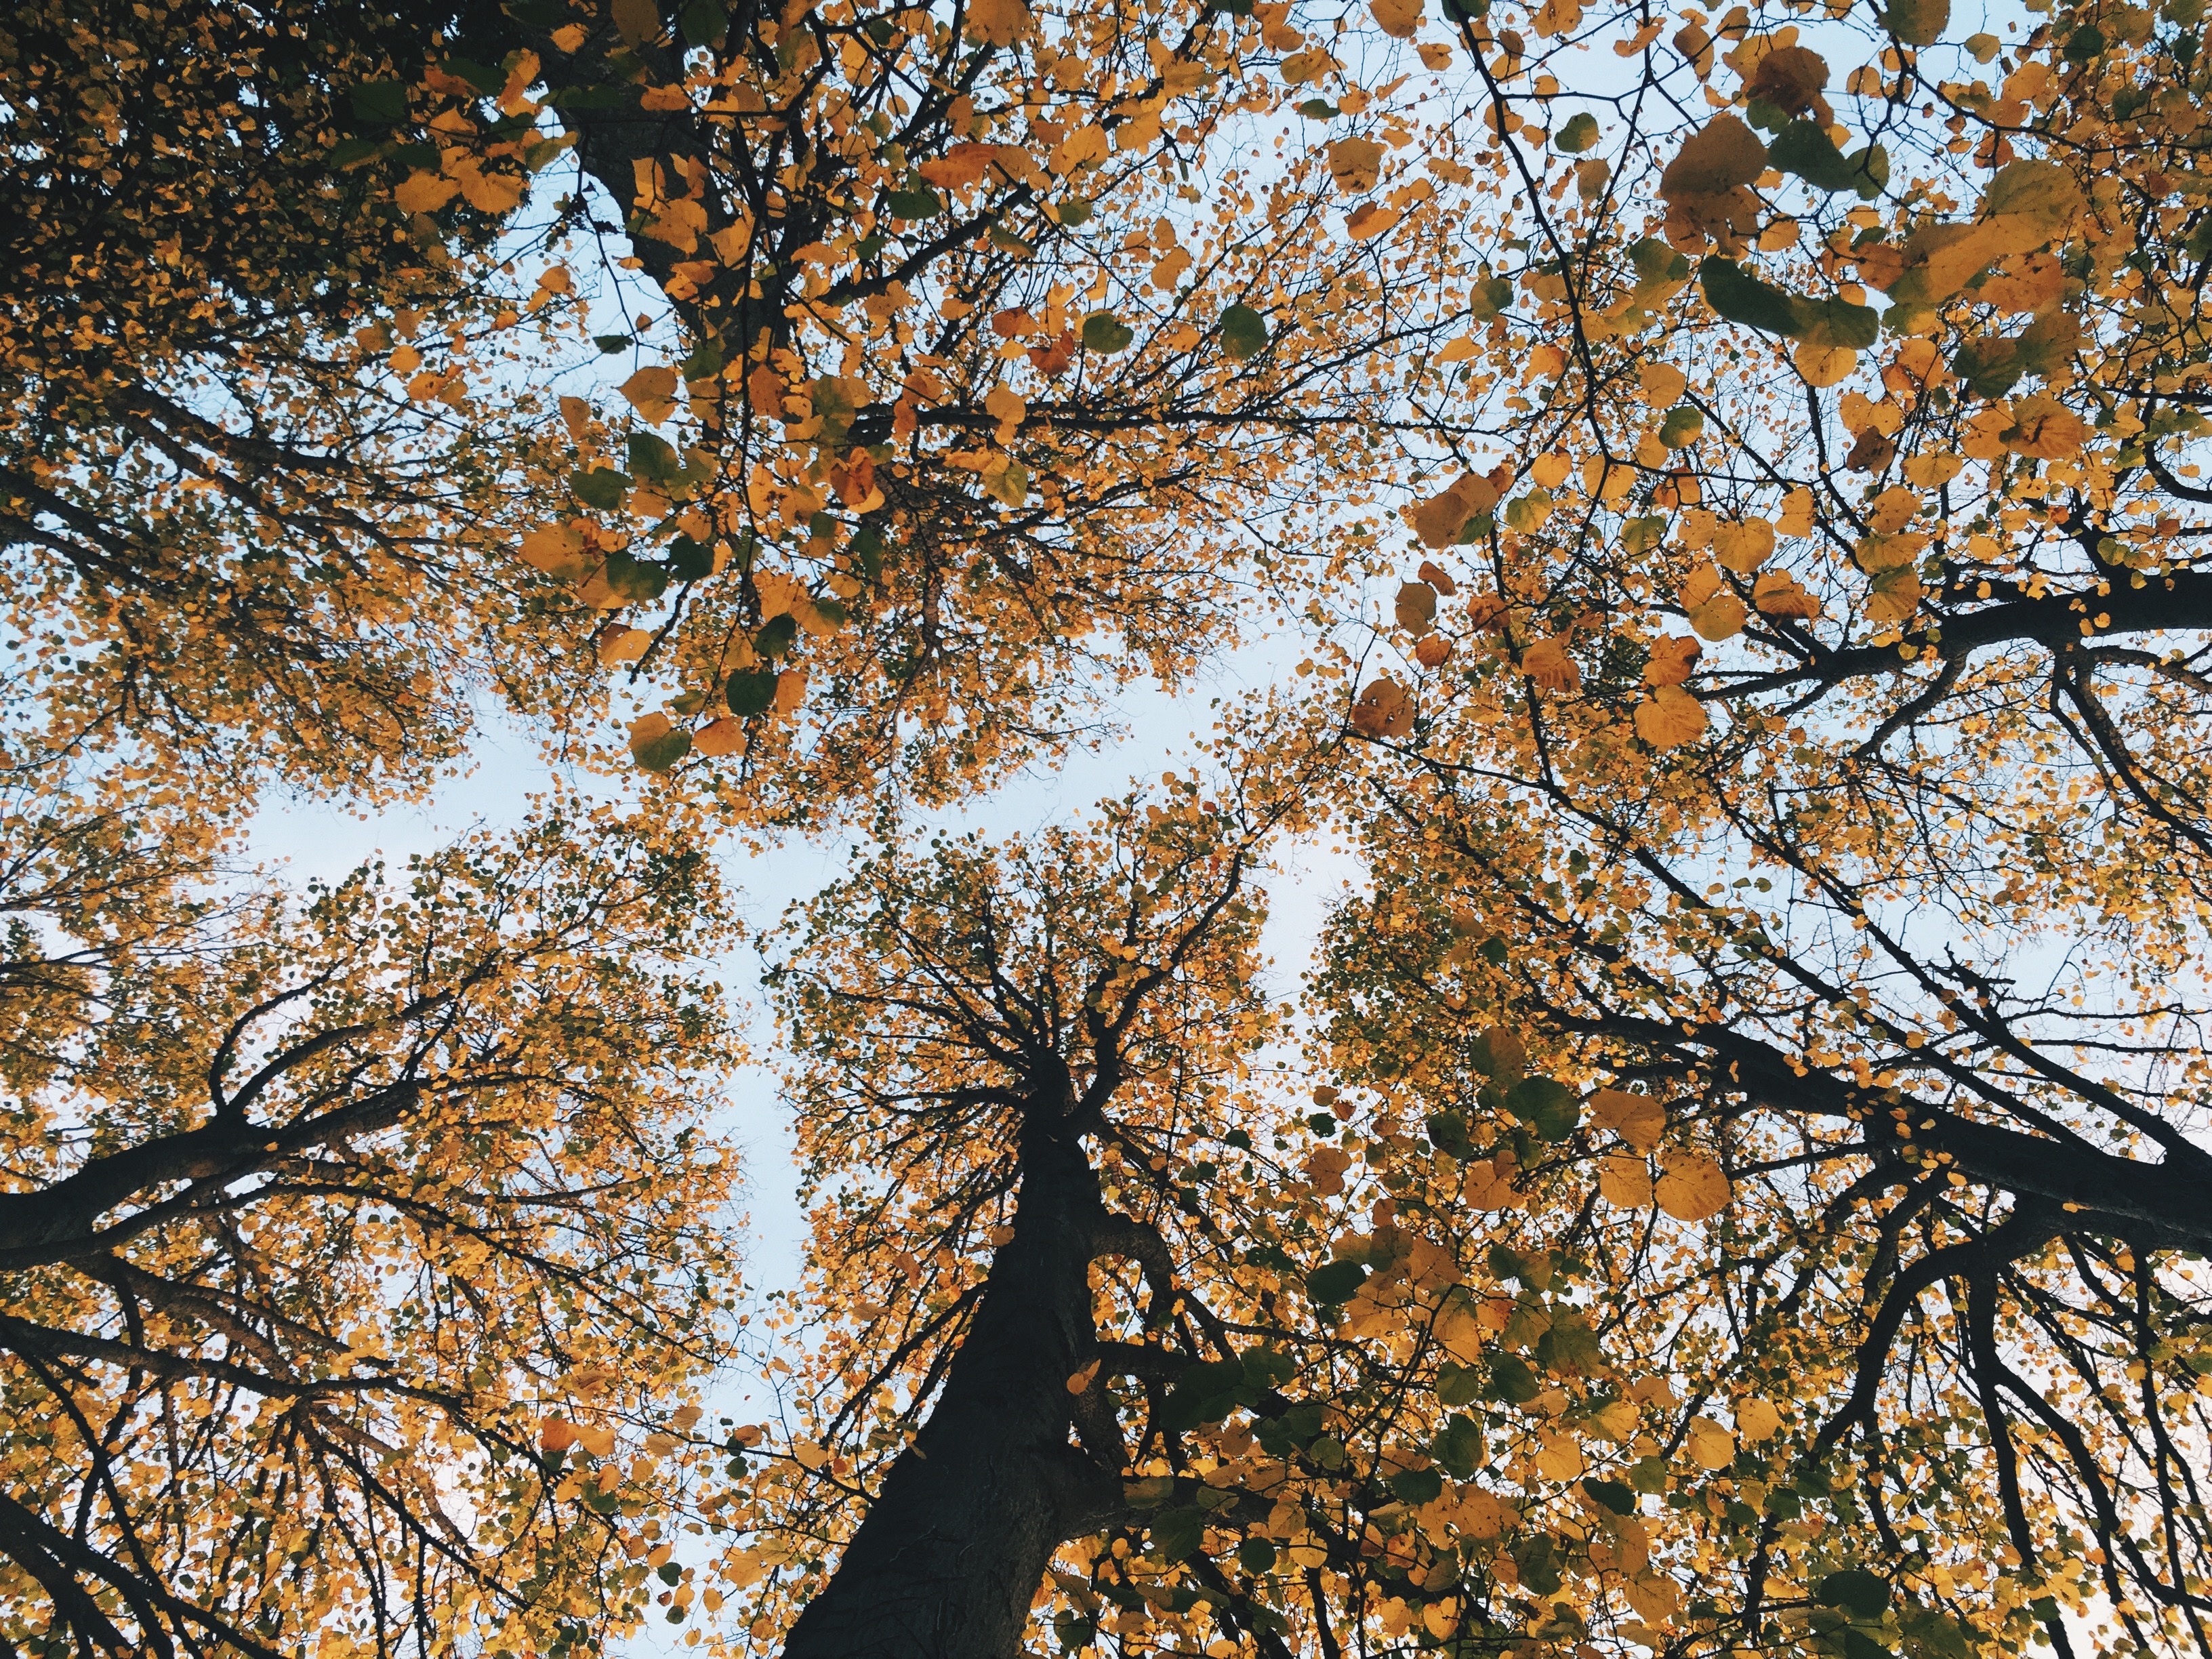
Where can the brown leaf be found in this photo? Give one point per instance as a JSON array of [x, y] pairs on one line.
[[1789, 78], [1722, 156]]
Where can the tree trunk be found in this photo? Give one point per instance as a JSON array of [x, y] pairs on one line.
[[950, 1554]]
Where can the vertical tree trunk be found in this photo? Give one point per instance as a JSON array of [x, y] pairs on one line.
[[950, 1554]]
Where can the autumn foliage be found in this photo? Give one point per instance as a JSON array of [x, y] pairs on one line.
[[1709, 508]]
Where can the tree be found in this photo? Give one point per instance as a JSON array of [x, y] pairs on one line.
[[352, 1243], [1812, 775], [1001, 1044], [979, 386], [231, 544], [275, 431]]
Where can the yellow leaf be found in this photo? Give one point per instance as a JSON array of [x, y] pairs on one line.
[[1692, 1186], [617, 644], [1670, 717], [720, 737], [1398, 18], [1639, 1120], [2027, 204], [1006, 406], [1713, 1446], [1712, 608], [1798, 507], [1743, 547], [651, 393], [1547, 664], [2042, 429], [1672, 661], [1078, 1382], [1558, 1458], [999, 22], [424, 192], [1367, 222], [1488, 1185], [1354, 164], [1481, 1515], [1891, 511], [808, 1455], [1778, 593], [1625, 1183], [1382, 710], [1439, 520], [1550, 470], [559, 552], [492, 193], [1823, 365], [1757, 1419], [1663, 384], [599, 1442]]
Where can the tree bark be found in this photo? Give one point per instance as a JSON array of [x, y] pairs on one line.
[[949, 1559]]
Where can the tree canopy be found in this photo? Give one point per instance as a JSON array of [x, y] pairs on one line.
[[1725, 492]]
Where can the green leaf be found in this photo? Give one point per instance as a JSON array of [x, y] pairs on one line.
[[1447, 1132], [1837, 322], [482, 77], [777, 635], [659, 754], [1073, 211], [1577, 135], [752, 692], [1683, 426], [1549, 1108], [691, 559], [351, 152], [1335, 1282], [654, 459], [1416, 1487], [705, 361], [1613, 1495], [1931, 1633], [1490, 298], [1740, 297], [611, 344], [1657, 263], [1104, 331], [1917, 23], [1256, 1556], [1176, 1534], [381, 100], [1458, 1446], [1511, 1381], [1458, 1384], [917, 204], [1856, 1590], [1318, 109], [1803, 148], [1736, 295], [705, 22], [601, 487], [867, 546], [1243, 332], [635, 580]]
